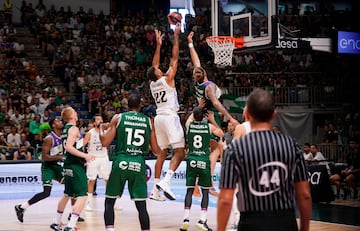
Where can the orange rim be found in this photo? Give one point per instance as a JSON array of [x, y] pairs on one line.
[[239, 42], [220, 38]]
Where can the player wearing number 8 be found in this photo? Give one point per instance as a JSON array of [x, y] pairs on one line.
[[198, 162], [167, 122], [133, 133]]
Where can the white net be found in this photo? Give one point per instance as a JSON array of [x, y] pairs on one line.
[[222, 47]]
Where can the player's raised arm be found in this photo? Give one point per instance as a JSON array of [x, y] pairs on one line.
[[214, 127], [211, 95], [108, 131], [174, 60], [156, 59], [194, 56]]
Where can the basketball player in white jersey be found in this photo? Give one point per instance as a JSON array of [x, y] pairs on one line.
[[101, 165], [240, 130], [168, 129]]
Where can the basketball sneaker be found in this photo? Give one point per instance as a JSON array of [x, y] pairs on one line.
[[155, 195], [70, 229], [233, 228], [80, 219], [19, 213], [185, 225], [165, 186], [56, 227], [201, 225]]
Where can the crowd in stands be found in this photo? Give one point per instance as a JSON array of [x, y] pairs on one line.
[[105, 58]]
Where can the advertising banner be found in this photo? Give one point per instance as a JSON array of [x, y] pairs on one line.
[[348, 42], [22, 181]]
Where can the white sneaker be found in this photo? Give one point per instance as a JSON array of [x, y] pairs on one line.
[[155, 195], [165, 186], [185, 225], [202, 225]]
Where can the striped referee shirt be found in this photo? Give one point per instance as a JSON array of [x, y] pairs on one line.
[[265, 165]]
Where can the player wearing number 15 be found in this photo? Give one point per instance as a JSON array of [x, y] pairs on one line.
[[167, 122], [133, 133]]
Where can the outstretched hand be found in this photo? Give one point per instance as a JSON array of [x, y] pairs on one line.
[[202, 103], [177, 29], [190, 37], [210, 116], [89, 158], [234, 122], [159, 37]]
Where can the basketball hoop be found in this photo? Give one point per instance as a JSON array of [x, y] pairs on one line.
[[222, 47]]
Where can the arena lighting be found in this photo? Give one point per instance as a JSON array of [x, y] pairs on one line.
[[348, 42]]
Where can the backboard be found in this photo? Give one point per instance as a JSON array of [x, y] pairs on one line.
[[250, 19]]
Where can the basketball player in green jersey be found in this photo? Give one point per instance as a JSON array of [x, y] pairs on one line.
[[208, 94], [76, 182], [133, 133], [51, 169], [198, 163]]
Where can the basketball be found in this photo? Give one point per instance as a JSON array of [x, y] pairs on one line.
[[174, 17]]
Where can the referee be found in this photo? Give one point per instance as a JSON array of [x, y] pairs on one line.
[[270, 170]]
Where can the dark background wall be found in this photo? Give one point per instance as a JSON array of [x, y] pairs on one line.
[[123, 6]]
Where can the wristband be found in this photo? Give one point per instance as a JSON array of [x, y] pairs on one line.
[[191, 45]]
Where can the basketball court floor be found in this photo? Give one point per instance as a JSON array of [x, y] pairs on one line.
[[164, 216], [339, 215]]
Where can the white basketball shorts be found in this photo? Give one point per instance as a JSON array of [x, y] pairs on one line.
[[169, 131], [98, 167]]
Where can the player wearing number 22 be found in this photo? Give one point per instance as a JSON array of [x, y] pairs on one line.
[[167, 122], [270, 171], [133, 133]]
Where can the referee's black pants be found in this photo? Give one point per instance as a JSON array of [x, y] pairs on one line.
[[284, 220]]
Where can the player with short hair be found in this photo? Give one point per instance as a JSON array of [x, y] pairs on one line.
[[133, 133], [169, 131], [76, 184], [101, 165], [198, 163], [51, 166], [208, 94]]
